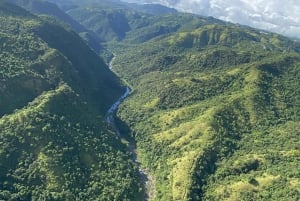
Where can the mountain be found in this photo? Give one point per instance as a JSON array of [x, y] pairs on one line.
[[156, 9], [123, 23], [111, 20], [107, 23], [215, 112], [214, 108], [266, 15], [54, 94], [46, 8]]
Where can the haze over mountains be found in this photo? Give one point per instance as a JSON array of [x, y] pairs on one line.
[[273, 15]]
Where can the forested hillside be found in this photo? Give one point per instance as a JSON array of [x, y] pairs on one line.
[[214, 108], [41, 7], [54, 93], [112, 20], [215, 111]]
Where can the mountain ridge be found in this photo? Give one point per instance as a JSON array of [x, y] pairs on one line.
[[47, 8], [55, 144], [199, 96], [214, 109], [266, 15]]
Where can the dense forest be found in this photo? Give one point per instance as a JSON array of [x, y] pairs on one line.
[[214, 109], [54, 93]]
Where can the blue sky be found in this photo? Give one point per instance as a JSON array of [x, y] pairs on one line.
[[273, 15]]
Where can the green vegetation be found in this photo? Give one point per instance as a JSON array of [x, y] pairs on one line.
[[55, 150], [208, 104], [214, 107], [116, 23], [54, 93], [41, 7]]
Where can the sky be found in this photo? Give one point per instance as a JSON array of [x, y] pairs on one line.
[[273, 15]]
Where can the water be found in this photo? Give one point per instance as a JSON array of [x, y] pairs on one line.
[[146, 178]]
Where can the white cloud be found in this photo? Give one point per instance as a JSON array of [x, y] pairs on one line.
[[273, 15]]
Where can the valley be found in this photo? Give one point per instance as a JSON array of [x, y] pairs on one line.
[[145, 176], [106, 100]]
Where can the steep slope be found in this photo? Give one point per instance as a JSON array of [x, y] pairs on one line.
[[205, 93], [37, 42], [54, 93], [112, 20], [46, 8], [107, 23], [156, 9], [215, 110]]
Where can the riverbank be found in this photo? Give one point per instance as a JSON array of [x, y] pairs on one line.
[[147, 179]]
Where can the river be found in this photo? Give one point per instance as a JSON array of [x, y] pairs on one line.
[[146, 178]]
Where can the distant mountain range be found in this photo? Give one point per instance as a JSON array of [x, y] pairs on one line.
[[269, 15]]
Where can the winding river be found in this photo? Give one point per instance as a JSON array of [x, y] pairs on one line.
[[146, 178]]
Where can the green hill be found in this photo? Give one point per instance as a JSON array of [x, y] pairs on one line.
[[40, 7], [54, 93], [215, 110], [107, 23]]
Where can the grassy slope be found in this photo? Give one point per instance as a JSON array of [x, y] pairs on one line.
[[54, 93], [203, 100]]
